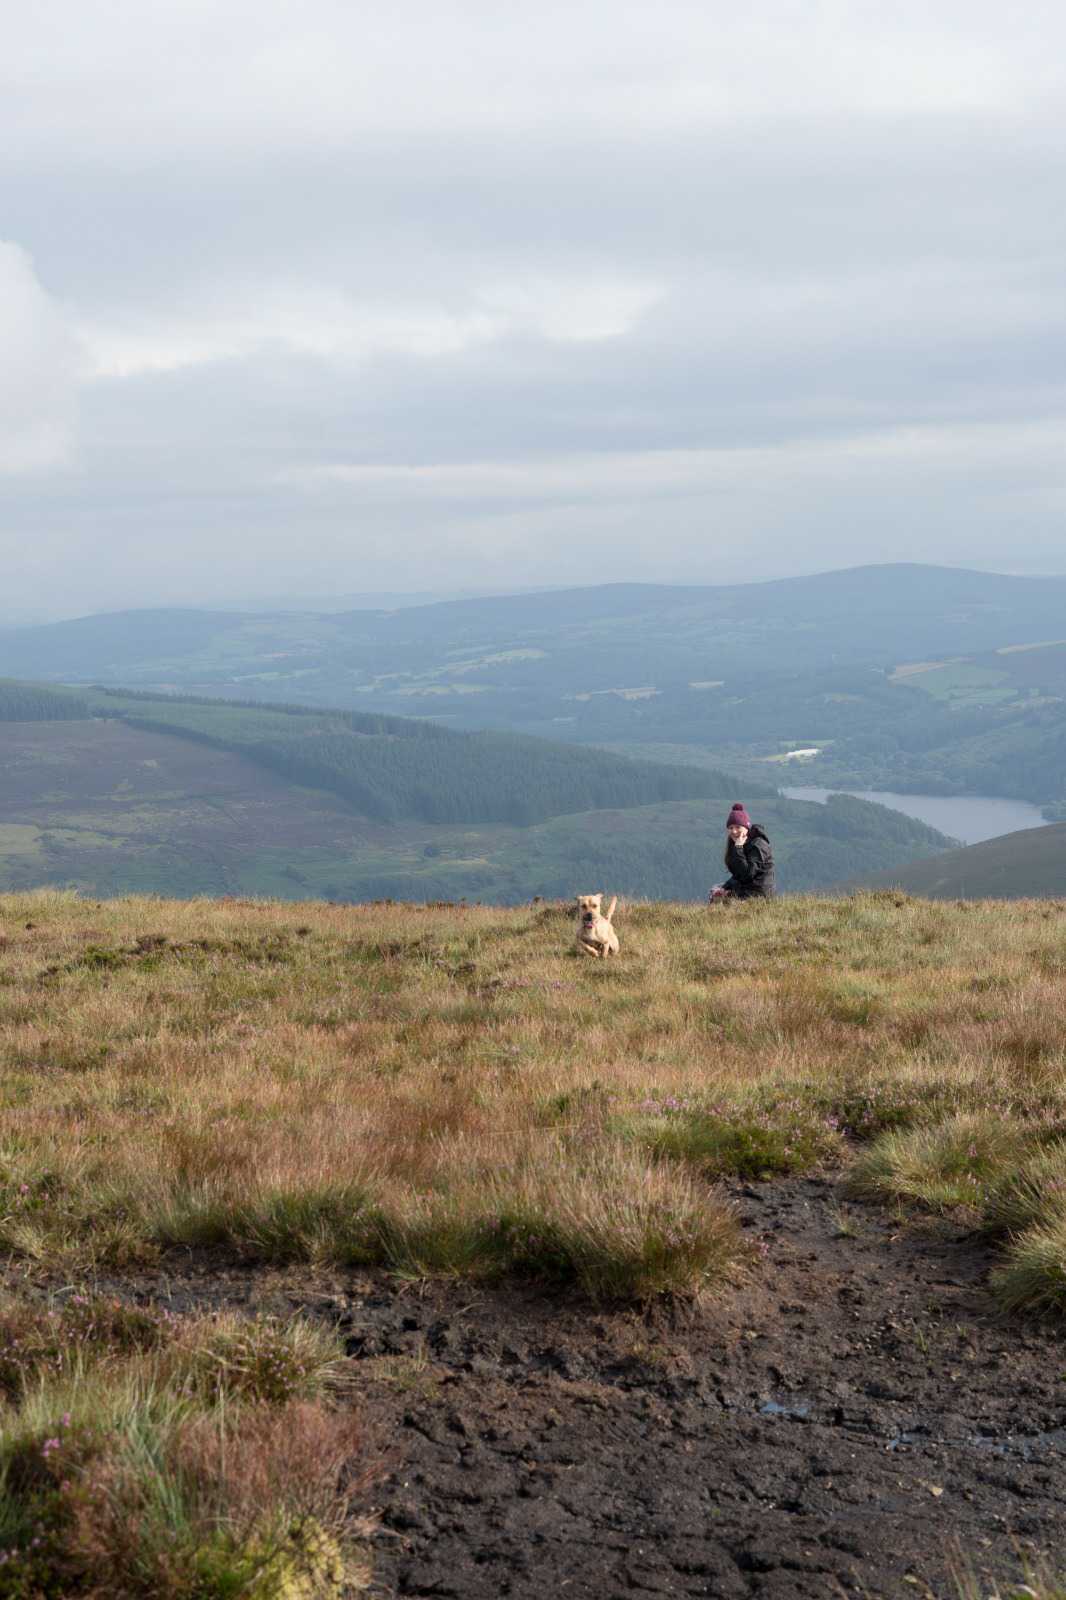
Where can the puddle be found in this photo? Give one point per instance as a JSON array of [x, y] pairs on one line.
[[799, 1412], [906, 1440], [1029, 1446], [1024, 1446]]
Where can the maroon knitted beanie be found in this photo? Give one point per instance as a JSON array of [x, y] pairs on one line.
[[738, 817]]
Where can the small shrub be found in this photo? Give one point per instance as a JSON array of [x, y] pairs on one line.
[[38, 1342], [862, 1111], [258, 1359], [134, 1496]]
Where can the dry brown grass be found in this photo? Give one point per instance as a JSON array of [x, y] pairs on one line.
[[371, 1083], [447, 1091]]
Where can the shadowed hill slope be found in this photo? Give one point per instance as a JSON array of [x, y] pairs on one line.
[[1015, 866]]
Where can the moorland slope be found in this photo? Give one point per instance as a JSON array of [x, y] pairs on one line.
[[826, 1138], [1014, 866]]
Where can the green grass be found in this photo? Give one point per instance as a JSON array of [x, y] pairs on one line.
[[149, 1457], [947, 1164]]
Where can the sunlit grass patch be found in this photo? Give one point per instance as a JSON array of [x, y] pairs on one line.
[[942, 1165], [60, 1202], [1029, 1194], [752, 1139], [379, 1085]]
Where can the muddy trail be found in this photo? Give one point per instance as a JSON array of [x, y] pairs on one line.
[[856, 1420]]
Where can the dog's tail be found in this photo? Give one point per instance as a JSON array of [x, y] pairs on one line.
[[610, 908]]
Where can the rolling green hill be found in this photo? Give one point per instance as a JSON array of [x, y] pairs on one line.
[[185, 796], [900, 677], [1016, 866]]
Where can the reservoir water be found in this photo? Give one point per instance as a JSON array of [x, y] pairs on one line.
[[969, 817]]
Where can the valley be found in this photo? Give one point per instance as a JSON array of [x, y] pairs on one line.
[[902, 678], [165, 796]]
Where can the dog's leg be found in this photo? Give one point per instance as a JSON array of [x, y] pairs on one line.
[[587, 949], [610, 908]]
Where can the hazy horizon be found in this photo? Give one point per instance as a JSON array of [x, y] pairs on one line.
[[401, 599]]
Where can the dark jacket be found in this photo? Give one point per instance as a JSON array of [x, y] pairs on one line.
[[751, 868]]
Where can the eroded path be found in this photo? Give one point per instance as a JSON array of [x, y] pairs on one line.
[[853, 1422]]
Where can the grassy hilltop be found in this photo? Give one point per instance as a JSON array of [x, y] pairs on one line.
[[447, 1093]]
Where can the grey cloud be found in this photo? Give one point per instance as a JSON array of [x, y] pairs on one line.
[[783, 282]]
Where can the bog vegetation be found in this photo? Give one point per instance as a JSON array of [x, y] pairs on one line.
[[448, 1091]]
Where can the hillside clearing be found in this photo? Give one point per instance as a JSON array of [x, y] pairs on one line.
[[687, 1263]]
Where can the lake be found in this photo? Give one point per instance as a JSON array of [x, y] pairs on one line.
[[969, 817]]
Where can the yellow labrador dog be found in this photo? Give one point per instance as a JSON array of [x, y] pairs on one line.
[[595, 936]]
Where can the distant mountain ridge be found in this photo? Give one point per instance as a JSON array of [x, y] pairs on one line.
[[861, 613]]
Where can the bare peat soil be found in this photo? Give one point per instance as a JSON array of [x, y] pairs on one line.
[[855, 1420]]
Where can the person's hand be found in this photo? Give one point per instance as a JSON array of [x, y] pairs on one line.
[[740, 838]]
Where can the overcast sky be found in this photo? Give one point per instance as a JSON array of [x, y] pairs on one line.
[[324, 296]]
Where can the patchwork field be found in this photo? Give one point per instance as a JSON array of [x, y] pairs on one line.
[[402, 1247]]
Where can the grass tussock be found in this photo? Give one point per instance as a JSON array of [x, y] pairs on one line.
[[1033, 1274], [954, 1163], [145, 1456]]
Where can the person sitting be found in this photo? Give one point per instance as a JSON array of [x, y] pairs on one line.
[[749, 858]]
